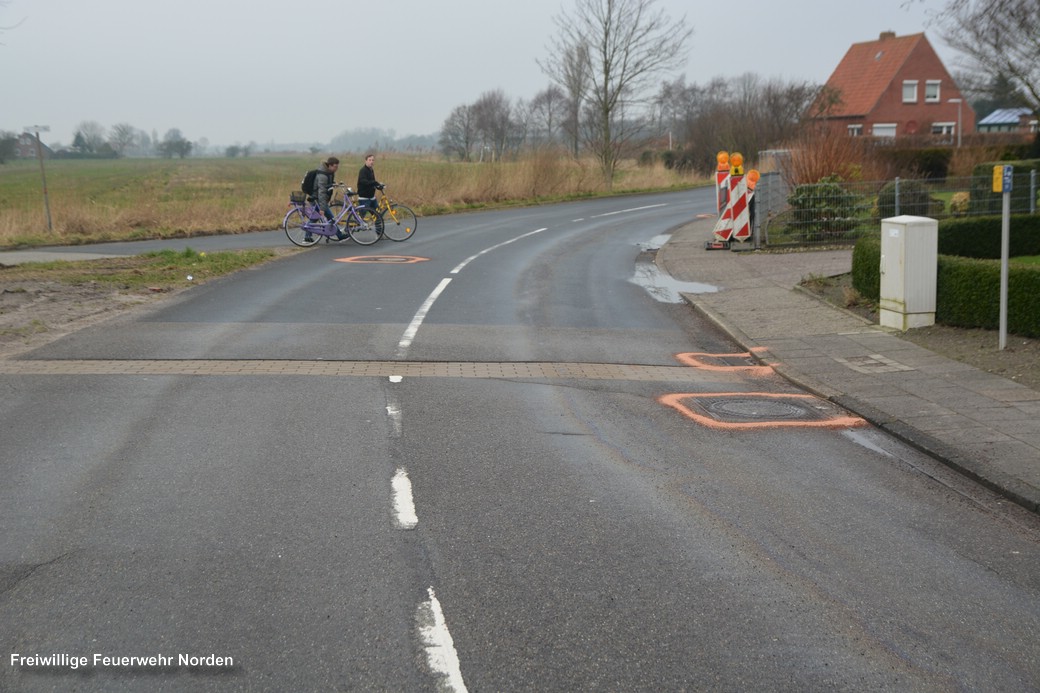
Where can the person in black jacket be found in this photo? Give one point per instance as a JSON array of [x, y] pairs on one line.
[[367, 183]]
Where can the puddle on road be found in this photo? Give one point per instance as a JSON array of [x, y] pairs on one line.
[[655, 243], [659, 284], [663, 287]]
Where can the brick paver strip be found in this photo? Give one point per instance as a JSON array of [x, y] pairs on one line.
[[585, 371]]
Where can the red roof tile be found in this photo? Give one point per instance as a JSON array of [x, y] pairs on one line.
[[867, 70]]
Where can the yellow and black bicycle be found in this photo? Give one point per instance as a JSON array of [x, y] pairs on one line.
[[399, 220]]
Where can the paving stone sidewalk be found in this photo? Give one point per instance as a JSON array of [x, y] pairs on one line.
[[985, 426]]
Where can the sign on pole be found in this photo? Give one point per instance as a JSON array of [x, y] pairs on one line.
[[1003, 178]]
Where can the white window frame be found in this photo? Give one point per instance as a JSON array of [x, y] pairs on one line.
[[856, 130], [909, 91], [944, 128], [933, 91], [884, 130]]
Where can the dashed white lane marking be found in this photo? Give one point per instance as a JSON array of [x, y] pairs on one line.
[[441, 656], [393, 409], [404, 506], [626, 211], [413, 327], [471, 258]]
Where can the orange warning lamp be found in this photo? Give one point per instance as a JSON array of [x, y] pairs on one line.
[[752, 178], [736, 160], [723, 159]]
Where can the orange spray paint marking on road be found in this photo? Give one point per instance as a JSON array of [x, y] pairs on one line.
[[795, 402]]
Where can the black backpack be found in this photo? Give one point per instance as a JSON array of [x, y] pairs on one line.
[[307, 185]]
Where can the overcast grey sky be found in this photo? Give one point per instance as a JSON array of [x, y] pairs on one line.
[[237, 72]]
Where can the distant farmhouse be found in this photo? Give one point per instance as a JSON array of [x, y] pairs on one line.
[[25, 147], [895, 86]]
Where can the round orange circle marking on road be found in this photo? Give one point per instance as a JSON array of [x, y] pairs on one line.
[[383, 259]]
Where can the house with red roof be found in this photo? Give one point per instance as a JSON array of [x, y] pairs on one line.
[[896, 86]]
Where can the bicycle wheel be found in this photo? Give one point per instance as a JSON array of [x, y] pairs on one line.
[[399, 223], [369, 230], [336, 207], [293, 225]]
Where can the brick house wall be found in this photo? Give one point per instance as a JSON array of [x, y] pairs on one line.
[[873, 80]]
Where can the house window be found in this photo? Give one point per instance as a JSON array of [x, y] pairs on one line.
[[943, 128], [910, 91], [884, 130], [855, 131], [931, 91]]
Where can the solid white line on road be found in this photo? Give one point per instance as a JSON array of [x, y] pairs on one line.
[[471, 258], [441, 656], [413, 327], [404, 505]]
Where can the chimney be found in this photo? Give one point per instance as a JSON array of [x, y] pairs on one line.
[[887, 35]]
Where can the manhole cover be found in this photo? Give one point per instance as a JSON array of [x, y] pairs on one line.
[[745, 410], [757, 409]]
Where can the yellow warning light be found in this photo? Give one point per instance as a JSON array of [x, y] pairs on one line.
[[736, 160]]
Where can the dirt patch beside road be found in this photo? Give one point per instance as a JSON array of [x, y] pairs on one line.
[[35, 312]]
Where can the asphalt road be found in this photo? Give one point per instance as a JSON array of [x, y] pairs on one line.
[[475, 461]]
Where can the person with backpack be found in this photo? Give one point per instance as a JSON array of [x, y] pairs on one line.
[[318, 183], [367, 183]]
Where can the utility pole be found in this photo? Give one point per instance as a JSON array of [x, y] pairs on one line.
[[958, 102], [39, 155]]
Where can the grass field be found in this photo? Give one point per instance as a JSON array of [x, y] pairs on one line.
[[129, 199]]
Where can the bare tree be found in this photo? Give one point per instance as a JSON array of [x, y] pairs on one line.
[[573, 70], [174, 143], [458, 133], [122, 137], [90, 136], [520, 126], [623, 46], [1000, 38], [549, 109], [5, 28], [491, 116]]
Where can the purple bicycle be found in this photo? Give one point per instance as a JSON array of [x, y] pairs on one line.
[[304, 224]]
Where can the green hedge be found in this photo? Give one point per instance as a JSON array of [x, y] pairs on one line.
[[985, 201], [967, 289], [968, 295], [866, 266], [980, 237]]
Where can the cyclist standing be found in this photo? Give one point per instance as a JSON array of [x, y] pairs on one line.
[[367, 183], [324, 177]]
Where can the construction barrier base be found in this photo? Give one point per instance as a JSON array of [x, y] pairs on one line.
[[716, 245]]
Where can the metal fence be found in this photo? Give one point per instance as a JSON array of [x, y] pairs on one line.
[[838, 212]]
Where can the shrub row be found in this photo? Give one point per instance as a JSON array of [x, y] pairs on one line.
[[980, 237], [968, 295], [967, 289], [985, 201]]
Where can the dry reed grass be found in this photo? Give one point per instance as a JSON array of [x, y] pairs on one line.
[[92, 201]]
